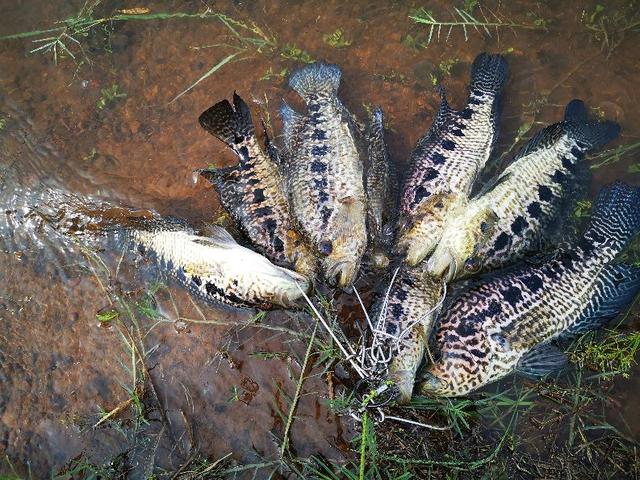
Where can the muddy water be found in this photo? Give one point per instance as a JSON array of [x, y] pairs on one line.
[[219, 394]]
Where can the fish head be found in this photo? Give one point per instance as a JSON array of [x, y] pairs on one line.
[[286, 288], [341, 252], [457, 253], [419, 232], [340, 271]]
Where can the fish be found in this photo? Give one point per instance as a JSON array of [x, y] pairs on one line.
[[379, 187], [508, 322], [525, 207], [325, 173], [407, 314], [446, 162], [215, 268], [253, 191]]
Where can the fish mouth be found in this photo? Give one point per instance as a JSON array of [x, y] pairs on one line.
[[442, 265], [341, 274], [404, 381], [432, 385]]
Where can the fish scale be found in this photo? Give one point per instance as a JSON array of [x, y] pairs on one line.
[[447, 160], [325, 173], [506, 322], [522, 208], [253, 191]]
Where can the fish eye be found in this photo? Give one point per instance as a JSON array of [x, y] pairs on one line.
[[472, 265], [325, 248], [484, 227]]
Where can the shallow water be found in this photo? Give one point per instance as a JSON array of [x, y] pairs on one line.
[[210, 387]]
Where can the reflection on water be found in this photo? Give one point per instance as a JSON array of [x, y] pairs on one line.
[[119, 123]]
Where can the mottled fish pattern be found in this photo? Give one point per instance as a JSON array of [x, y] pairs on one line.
[[215, 268], [506, 322], [380, 180], [253, 191], [408, 311], [526, 203], [448, 159], [325, 173]]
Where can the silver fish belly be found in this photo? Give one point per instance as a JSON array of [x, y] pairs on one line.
[[506, 323], [216, 268]]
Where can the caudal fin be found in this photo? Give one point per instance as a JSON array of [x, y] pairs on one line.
[[593, 134], [616, 217], [616, 287], [489, 73], [229, 124], [316, 78]]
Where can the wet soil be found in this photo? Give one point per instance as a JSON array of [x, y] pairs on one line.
[[212, 394]]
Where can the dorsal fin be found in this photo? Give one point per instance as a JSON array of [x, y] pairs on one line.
[[291, 123]]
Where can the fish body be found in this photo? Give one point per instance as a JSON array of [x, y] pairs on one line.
[[325, 173], [525, 205], [253, 191], [507, 322], [407, 312], [216, 268], [447, 160], [379, 186]]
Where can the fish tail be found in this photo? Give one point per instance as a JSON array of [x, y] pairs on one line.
[[592, 133], [230, 124], [489, 73], [616, 216], [316, 78]]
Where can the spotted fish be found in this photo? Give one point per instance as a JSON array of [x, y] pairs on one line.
[[253, 191], [447, 160], [526, 204], [215, 267], [379, 186], [325, 172], [407, 312], [507, 322]]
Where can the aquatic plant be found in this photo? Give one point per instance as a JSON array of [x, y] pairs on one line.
[[465, 21], [613, 355], [337, 39], [610, 27], [292, 52], [109, 95]]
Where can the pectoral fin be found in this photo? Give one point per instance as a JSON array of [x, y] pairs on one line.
[[542, 360]]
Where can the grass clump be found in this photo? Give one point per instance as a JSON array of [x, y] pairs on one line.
[[337, 39], [614, 355]]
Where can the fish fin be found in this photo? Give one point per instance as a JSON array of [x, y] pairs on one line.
[[316, 78], [227, 124], [291, 123], [270, 147], [220, 237], [576, 111], [616, 287], [218, 176], [547, 136], [615, 217], [489, 73], [541, 361], [593, 134], [492, 184]]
